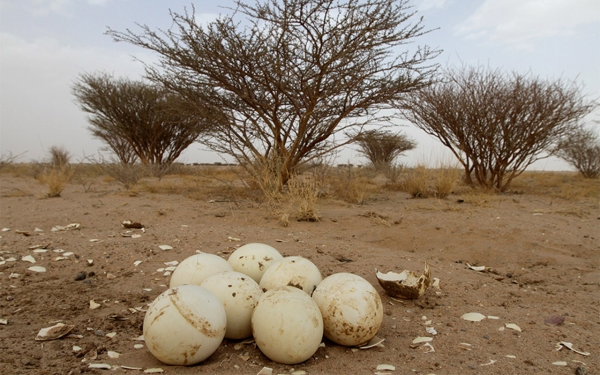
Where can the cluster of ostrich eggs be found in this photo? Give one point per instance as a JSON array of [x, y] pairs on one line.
[[283, 302]]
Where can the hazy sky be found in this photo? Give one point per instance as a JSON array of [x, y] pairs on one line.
[[46, 44]]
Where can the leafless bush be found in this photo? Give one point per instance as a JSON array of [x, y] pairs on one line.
[[383, 147], [581, 149], [8, 159], [497, 124], [126, 174], [283, 78]]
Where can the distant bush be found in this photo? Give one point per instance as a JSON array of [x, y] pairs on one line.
[[581, 149]]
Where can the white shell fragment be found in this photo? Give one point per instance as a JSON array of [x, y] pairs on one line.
[[422, 339], [406, 284], [477, 268], [4, 321], [138, 346], [165, 247], [265, 371], [385, 367], [559, 363], [431, 331], [155, 370], [55, 332], [491, 362], [473, 317], [112, 354], [37, 269], [59, 228], [513, 326], [137, 263], [101, 366], [375, 341], [569, 346], [28, 258]]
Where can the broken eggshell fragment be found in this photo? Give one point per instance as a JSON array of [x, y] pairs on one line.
[[406, 284]]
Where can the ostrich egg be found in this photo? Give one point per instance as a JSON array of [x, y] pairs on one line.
[[184, 325], [287, 325], [293, 271], [196, 268], [239, 294], [351, 309], [253, 259]]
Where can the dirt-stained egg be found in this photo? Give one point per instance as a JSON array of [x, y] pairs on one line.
[[196, 268], [184, 325], [239, 294], [287, 325], [351, 309], [253, 259], [293, 271]]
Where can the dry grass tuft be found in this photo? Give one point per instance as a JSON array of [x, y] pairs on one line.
[[566, 185], [422, 182], [56, 179], [352, 185]]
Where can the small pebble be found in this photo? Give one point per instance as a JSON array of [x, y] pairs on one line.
[[80, 276], [9, 298], [99, 333], [509, 275], [581, 371], [486, 337], [91, 273]]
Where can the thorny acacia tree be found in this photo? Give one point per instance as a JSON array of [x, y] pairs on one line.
[[581, 148], [292, 75], [383, 147], [496, 124], [137, 117]]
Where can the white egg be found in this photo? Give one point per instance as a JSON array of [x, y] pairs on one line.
[[351, 308], [184, 325], [287, 325], [239, 294], [253, 259], [293, 271], [196, 268]]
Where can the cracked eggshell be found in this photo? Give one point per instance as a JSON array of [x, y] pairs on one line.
[[239, 294], [253, 259], [184, 325], [293, 271], [351, 308], [196, 268], [287, 325], [406, 284]]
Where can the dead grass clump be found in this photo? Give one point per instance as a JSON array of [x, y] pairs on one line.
[[351, 185], [567, 185], [299, 201], [422, 182], [59, 157], [56, 179]]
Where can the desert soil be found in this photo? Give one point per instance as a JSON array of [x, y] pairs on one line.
[[543, 255]]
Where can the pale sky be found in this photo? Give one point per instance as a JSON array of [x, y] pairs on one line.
[[46, 44]]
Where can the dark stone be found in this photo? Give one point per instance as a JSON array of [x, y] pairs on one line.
[[80, 276]]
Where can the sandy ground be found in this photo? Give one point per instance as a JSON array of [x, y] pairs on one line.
[[543, 255]]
